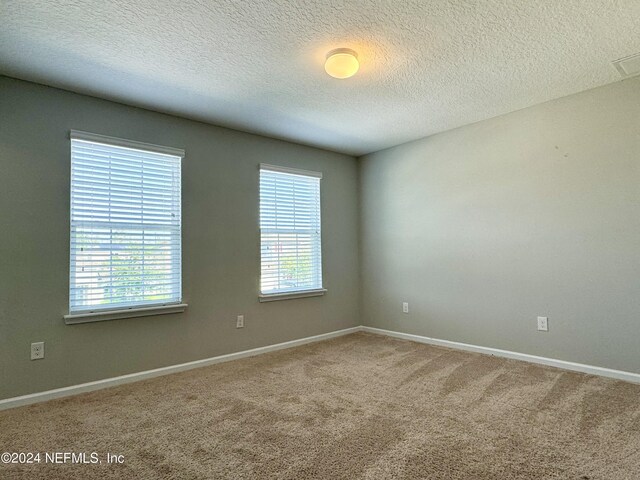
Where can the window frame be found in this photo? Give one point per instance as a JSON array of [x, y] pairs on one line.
[[140, 310], [293, 294]]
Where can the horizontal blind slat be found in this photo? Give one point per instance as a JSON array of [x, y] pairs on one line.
[[125, 227], [290, 232]]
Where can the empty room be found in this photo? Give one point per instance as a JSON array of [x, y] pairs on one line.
[[320, 239]]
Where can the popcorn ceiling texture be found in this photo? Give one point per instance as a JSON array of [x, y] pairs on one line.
[[257, 66]]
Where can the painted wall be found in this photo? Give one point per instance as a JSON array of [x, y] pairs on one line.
[[483, 228], [220, 244]]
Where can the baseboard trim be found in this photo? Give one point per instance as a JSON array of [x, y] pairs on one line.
[[157, 372], [135, 377], [551, 362]]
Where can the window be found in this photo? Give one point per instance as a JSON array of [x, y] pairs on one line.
[[125, 225], [291, 253]]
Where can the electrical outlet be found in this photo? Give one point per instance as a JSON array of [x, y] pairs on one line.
[[37, 350], [543, 324], [405, 307], [240, 321]]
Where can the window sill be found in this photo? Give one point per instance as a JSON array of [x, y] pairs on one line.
[[74, 318], [272, 297]]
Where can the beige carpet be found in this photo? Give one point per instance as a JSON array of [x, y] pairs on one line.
[[356, 407]]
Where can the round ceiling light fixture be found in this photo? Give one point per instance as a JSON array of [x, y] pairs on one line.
[[341, 63]]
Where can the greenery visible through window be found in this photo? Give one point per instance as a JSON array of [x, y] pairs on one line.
[[125, 227], [290, 235]]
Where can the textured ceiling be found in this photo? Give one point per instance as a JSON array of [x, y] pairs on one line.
[[426, 66]]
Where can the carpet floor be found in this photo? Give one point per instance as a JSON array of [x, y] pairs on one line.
[[356, 407]]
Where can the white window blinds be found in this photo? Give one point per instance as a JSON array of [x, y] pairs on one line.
[[291, 253], [125, 224]]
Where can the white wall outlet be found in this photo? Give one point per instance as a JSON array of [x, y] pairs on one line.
[[543, 324], [37, 350], [240, 321], [405, 307]]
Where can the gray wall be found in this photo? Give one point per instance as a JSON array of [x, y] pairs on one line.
[[480, 229], [220, 244], [485, 227]]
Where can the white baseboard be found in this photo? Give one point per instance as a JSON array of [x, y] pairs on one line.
[[135, 377], [552, 362]]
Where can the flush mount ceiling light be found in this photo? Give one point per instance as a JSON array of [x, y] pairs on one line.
[[341, 63]]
